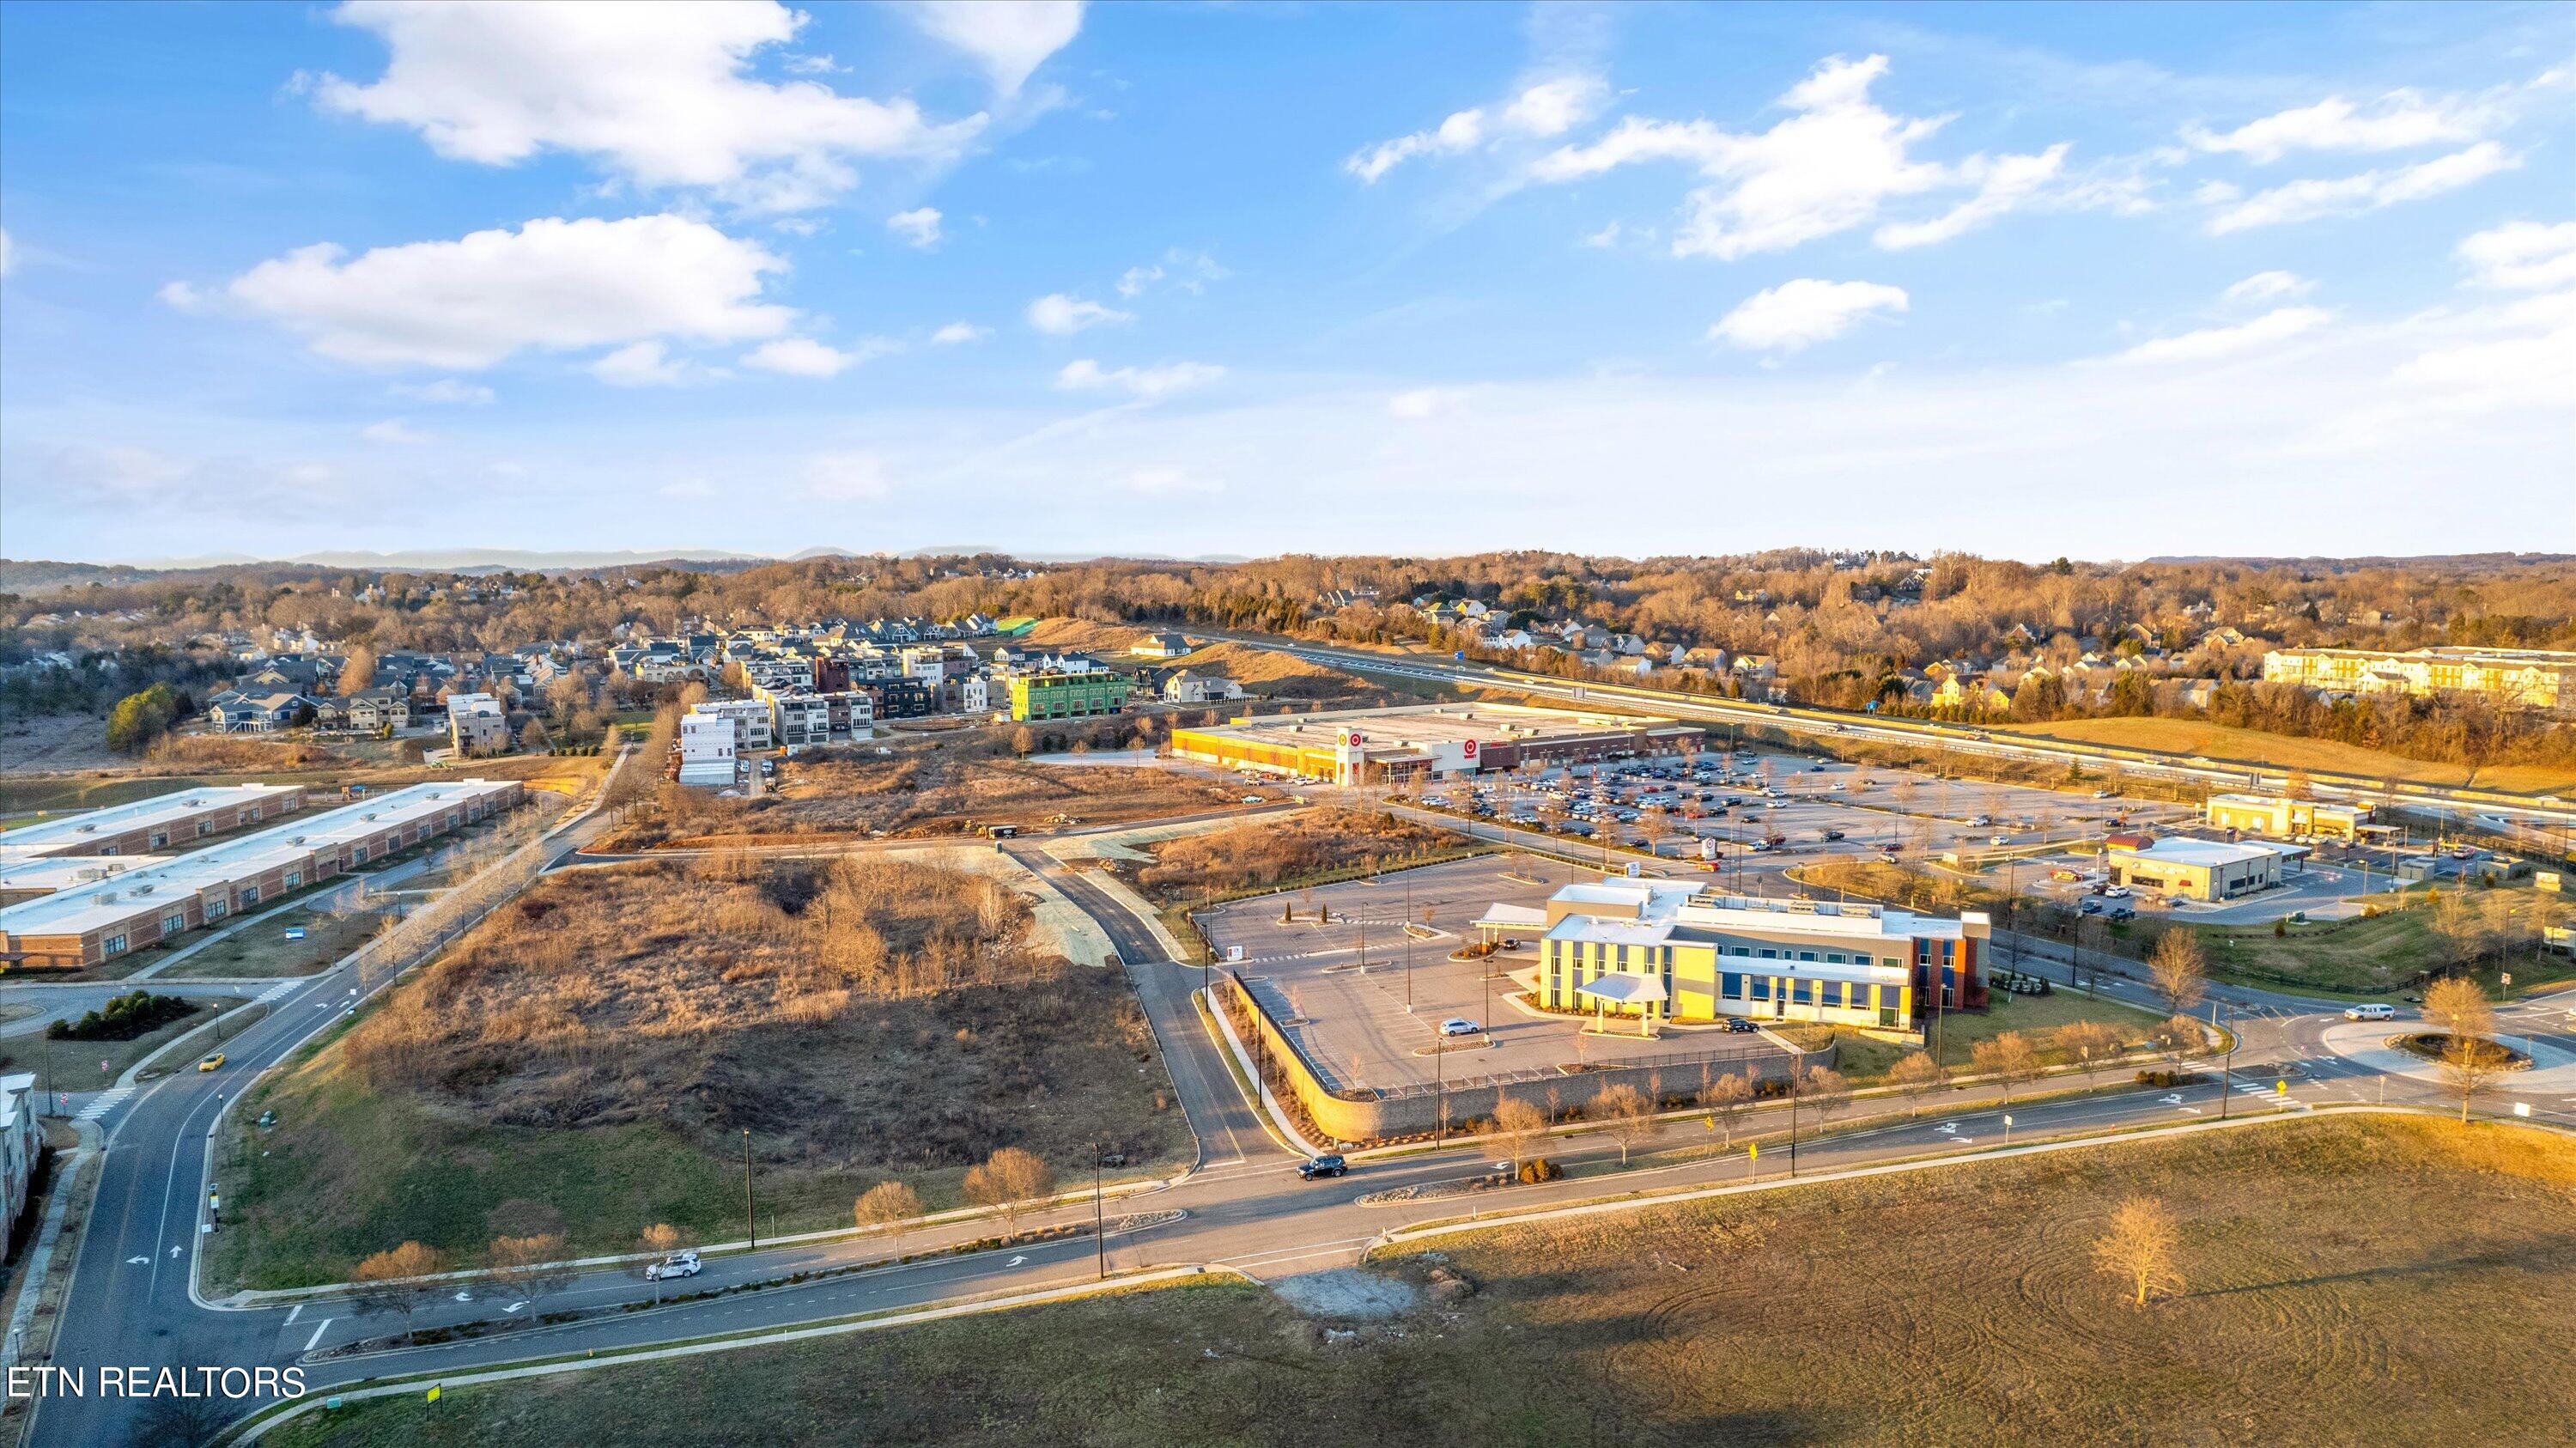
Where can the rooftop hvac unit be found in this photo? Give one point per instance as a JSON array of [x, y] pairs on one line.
[[142, 890], [371, 814], [89, 829], [106, 897]]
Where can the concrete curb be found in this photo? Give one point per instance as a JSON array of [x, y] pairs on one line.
[[251, 1429], [2308, 1112]]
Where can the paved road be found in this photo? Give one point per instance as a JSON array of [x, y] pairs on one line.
[[1243, 1207]]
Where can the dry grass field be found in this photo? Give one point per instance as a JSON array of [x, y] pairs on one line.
[[1273, 850], [2282, 751], [2345, 1280], [599, 1046]]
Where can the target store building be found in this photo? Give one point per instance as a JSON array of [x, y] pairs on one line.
[[1354, 746]]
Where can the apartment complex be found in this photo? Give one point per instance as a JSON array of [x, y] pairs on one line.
[[84, 921], [1067, 696], [2281, 817], [163, 821], [1670, 950], [1350, 746], [2521, 678]]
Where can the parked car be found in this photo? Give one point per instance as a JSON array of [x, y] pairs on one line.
[[2090, 906], [1252, 799], [1459, 1026], [1740, 1024], [1318, 1167], [1833, 834], [2373, 1011], [678, 1264], [2121, 912]]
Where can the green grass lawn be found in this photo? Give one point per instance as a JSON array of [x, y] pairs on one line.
[[261, 948], [2366, 956], [2343, 1280], [1867, 1060]]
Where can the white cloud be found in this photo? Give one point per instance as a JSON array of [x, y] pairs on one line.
[[181, 296], [959, 332], [1059, 315], [1188, 271], [1541, 111], [1086, 375], [2397, 121], [2522, 255], [644, 364], [393, 430], [2266, 286], [2516, 357], [845, 477], [2003, 184], [2353, 195], [917, 227], [446, 391], [1794, 314], [1833, 164], [656, 94], [1424, 402], [2278, 325], [1606, 237], [552, 284], [1008, 38], [803, 357], [8, 253]]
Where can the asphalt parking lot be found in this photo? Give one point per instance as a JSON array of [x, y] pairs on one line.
[[1351, 1020], [1871, 808]]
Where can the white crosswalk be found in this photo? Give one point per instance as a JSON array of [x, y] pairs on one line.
[[106, 1102], [273, 992]]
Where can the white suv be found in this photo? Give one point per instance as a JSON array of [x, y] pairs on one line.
[[678, 1264]]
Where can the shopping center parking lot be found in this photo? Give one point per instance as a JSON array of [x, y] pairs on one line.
[[1351, 1022], [1872, 808]]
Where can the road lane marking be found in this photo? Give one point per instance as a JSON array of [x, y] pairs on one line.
[[319, 1328], [291, 1316]]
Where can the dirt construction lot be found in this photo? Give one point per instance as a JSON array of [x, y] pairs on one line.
[[2343, 1281], [1349, 1017]]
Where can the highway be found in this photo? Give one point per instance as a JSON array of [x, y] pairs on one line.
[[1241, 1206]]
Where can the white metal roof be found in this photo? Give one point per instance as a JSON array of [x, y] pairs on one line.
[[72, 830]]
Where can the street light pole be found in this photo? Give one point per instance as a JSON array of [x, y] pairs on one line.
[[2227, 1070], [750, 1222], [1099, 1232]]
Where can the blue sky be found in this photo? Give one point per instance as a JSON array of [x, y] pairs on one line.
[[2026, 280]]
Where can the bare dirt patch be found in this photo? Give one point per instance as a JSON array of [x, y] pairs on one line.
[[1273, 851]]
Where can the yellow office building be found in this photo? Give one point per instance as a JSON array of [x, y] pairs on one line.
[[2284, 818]]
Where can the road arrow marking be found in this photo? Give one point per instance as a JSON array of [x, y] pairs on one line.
[[1016, 1261], [515, 1306], [137, 1261], [465, 1296], [2173, 1100], [175, 1251]]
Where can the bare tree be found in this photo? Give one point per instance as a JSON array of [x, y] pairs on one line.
[[1726, 1097], [1826, 1089], [2180, 969], [887, 1206], [2459, 1007], [2470, 1064], [534, 1266], [2139, 1249], [1917, 1075], [2008, 1058], [2089, 1042], [1625, 1113], [399, 1280], [1008, 1180], [1517, 1123]]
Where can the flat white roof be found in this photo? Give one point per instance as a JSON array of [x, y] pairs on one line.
[[122, 896], [56, 872], [2208, 854], [45, 836]]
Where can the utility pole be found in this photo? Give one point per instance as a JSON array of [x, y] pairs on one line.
[[1099, 1230], [1408, 944], [750, 1222], [2227, 1071]]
